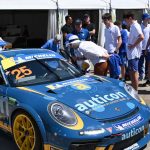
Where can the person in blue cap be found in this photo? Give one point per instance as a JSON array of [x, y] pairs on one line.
[[146, 31], [82, 33]]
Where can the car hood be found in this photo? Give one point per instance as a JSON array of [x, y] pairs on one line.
[[97, 97]]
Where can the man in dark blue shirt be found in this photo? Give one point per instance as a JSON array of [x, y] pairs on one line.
[[82, 33]]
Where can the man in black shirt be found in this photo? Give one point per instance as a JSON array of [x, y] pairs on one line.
[[89, 26], [67, 28]]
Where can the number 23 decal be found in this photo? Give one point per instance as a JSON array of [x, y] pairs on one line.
[[21, 72]]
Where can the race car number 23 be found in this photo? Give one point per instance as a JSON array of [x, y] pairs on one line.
[[21, 72]]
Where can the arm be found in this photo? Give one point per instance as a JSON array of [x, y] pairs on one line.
[[92, 32], [46, 45], [140, 38], [119, 39], [119, 43], [148, 43]]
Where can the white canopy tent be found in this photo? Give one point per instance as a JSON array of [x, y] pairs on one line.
[[128, 4], [27, 5], [82, 4], [61, 7]]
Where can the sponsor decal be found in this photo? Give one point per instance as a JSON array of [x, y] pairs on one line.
[[22, 58], [132, 147], [129, 123], [77, 83], [96, 102], [80, 86], [132, 133], [8, 62], [109, 129]]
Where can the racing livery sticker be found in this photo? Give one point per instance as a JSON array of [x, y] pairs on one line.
[[132, 147], [132, 133], [21, 72], [23, 58], [8, 62], [129, 123], [80, 86], [76, 84], [98, 103]]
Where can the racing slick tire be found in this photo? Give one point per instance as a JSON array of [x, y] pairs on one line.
[[26, 132]]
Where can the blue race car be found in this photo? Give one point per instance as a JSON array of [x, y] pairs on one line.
[[47, 104]]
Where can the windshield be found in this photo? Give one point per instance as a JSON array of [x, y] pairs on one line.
[[41, 71]]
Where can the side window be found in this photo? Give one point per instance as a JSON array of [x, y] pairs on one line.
[[2, 81]]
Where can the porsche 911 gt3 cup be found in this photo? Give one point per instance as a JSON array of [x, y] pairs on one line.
[[47, 104]]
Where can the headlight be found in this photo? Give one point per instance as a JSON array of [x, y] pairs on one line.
[[62, 114], [134, 93]]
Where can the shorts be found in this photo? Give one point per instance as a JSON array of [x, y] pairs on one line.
[[123, 58], [101, 68], [148, 57], [133, 64]]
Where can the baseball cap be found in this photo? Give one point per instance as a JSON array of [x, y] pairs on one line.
[[58, 37], [73, 39], [145, 16], [78, 21], [86, 16], [67, 39]]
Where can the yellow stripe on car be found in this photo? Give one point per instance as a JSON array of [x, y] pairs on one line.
[[49, 147], [30, 90], [5, 127]]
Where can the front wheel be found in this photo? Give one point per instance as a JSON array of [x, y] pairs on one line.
[[25, 131]]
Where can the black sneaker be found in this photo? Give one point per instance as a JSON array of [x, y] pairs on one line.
[[147, 83]]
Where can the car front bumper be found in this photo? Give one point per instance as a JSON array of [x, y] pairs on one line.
[[134, 143]]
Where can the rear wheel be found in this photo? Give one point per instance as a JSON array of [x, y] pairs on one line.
[[25, 131]]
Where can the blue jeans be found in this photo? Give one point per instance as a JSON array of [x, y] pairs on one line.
[[142, 68]]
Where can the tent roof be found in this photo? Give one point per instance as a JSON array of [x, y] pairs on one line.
[[82, 4], [26, 4], [71, 4], [129, 4]]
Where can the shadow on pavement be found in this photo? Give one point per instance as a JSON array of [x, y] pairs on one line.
[[144, 92], [7, 142]]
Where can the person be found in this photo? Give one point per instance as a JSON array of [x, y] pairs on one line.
[[146, 31], [96, 54], [67, 28], [112, 35], [90, 27], [2, 44], [53, 44], [147, 52], [134, 47], [82, 33], [123, 49], [112, 44]]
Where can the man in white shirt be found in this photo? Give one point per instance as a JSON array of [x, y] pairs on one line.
[[146, 31], [134, 48], [112, 35], [96, 54]]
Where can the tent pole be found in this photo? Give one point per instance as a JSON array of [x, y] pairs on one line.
[[110, 7]]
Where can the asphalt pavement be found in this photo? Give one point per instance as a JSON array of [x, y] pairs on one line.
[[7, 142]]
